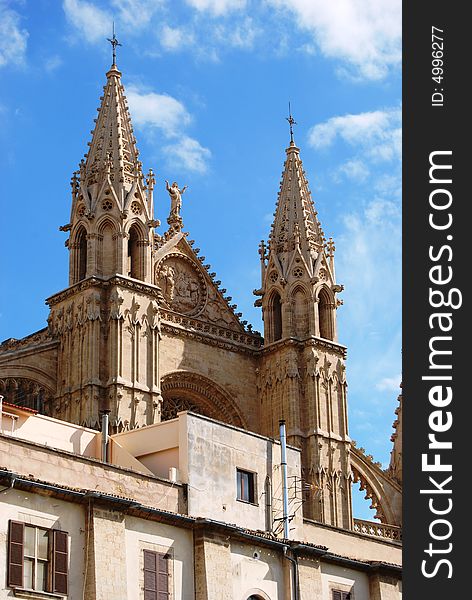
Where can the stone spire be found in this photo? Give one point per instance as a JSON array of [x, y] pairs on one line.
[[298, 287], [296, 224], [112, 212], [113, 152]]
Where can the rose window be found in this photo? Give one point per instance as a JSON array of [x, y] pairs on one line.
[[135, 208], [297, 272], [107, 205], [273, 276]]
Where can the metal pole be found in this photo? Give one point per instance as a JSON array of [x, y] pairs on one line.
[[283, 451], [105, 414]]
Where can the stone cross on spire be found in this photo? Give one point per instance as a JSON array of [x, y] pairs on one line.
[[291, 122], [114, 43]]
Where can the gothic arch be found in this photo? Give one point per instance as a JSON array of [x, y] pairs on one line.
[[326, 307], [27, 392], [79, 247], [137, 240], [275, 316], [384, 494], [184, 390], [107, 246], [300, 311], [31, 373]]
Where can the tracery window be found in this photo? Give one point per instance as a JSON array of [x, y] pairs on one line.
[[172, 406]]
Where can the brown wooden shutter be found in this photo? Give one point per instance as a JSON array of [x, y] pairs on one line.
[[150, 575], [337, 595], [156, 576], [163, 577], [16, 534], [60, 561]]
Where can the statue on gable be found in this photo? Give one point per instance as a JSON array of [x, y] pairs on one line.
[[175, 194]]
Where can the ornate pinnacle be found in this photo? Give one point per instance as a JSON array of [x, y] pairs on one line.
[[331, 247], [262, 250], [74, 183], [114, 43], [291, 122], [150, 180]]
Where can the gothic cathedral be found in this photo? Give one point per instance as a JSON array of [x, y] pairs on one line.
[[144, 330]]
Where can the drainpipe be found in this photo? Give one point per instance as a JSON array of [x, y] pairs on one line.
[[294, 573], [105, 437], [283, 448], [268, 503]]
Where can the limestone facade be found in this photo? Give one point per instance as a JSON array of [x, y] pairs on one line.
[[144, 330]]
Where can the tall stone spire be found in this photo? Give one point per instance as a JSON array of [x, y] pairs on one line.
[[112, 209], [296, 223], [107, 321], [113, 152], [302, 374], [297, 262]]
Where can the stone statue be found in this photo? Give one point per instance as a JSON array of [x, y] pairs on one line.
[[175, 198]]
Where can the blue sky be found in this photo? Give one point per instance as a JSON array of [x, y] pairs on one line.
[[208, 83]]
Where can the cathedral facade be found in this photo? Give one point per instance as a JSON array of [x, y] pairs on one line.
[[144, 331]]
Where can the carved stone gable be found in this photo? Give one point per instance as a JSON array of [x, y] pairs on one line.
[[182, 284]]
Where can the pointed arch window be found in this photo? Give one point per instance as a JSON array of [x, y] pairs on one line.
[[276, 318], [135, 254], [108, 250], [326, 315], [81, 254], [300, 313]]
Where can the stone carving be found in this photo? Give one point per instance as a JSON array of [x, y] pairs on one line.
[[182, 284], [116, 300], [175, 194]]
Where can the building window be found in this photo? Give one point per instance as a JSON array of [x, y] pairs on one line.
[[340, 595], [37, 558], [246, 486], [156, 575]]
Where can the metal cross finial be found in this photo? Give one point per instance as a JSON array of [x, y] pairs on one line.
[[291, 122], [114, 43]]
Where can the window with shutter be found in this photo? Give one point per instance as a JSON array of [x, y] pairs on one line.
[[60, 562], [156, 576], [37, 558], [16, 536]]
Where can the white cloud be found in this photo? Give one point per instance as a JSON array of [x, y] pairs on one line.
[[160, 111], [217, 7], [175, 38], [92, 22], [369, 258], [136, 14], [13, 39], [390, 384], [157, 110], [237, 35], [377, 132], [364, 33], [354, 169], [189, 153]]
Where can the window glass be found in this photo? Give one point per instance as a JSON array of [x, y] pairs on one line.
[[41, 575], [245, 484], [28, 574], [30, 536], [43, 541]]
